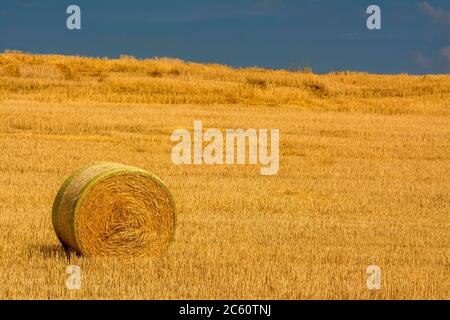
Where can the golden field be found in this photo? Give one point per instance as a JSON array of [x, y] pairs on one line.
[[364, 179]]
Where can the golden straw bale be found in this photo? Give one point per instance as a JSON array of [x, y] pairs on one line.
[[109, 209]]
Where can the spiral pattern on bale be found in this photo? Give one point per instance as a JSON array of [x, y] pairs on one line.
[[110, 209]]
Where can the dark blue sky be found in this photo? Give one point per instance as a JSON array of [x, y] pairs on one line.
[[327, 35]]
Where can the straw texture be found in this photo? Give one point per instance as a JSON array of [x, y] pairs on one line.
[[110, 209]]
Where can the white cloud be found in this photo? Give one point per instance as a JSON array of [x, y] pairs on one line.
[[268, 4], [423, 61], [445, 53], [439, 15], [24, 4]]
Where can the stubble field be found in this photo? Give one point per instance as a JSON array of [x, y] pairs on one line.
[[364, 179]]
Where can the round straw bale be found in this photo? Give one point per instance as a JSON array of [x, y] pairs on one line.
[[109, 209]]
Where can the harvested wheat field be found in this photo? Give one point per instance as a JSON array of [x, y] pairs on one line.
[[364, 179]]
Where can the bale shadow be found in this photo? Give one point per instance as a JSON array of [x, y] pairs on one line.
[[52, 251]]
